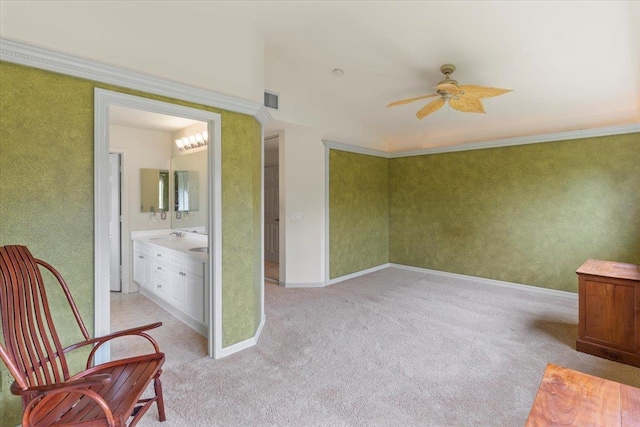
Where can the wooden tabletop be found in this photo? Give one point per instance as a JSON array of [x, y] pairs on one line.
[[571, 398], [619, 270]]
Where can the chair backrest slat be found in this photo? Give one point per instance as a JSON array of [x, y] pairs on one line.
[[30, 339], [36, 304]]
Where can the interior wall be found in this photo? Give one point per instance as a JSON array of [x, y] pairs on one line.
[[303, 104], [48, 198], [358, 212], [529, 214], [148, 149], [257, 190], [241, 231], [224, 53], [302, 206]]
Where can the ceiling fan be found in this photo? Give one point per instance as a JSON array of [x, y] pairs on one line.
[[465, 98]]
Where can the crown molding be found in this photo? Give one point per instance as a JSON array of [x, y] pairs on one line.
[[46, 59], [333, 145], [524, 140]]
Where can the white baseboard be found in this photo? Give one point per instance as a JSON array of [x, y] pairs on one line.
[[529, 288], [303, 284], [358, 274], [243, 345], [184, 318]]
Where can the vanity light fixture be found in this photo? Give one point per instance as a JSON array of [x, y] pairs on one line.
[[199, 139]]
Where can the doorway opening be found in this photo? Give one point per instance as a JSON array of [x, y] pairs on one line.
[[272, 209], [104, 100], [180, 184]]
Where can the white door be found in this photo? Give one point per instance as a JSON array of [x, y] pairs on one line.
[[114, 223], [271, 214]]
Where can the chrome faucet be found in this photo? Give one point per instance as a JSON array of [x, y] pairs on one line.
[[177, 233]]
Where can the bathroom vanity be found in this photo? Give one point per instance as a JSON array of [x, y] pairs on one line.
[[171, 271]]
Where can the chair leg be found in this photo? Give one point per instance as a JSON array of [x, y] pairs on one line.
[[157, 385]]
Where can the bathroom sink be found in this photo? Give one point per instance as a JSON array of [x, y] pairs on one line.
[[202, 249]]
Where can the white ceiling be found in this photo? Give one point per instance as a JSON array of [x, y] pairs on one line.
[[572, 65], [130, 117]]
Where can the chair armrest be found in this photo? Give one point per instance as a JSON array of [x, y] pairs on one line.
[[105, 338], [132, 331], [138, 331], [85, 382]]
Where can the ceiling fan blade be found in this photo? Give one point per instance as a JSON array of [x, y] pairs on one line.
[[482, 91], [407, 101], [467, 104], [451, 89], [430, 108]]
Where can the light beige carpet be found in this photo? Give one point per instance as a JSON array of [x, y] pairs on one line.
[[393, 348], [272, 270]]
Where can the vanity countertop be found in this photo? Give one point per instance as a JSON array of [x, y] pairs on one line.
[[182, 244]]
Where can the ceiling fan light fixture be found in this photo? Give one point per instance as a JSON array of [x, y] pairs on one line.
[[465, 98]]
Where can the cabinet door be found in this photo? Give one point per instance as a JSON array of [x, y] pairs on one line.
[[194, 302], [148, 280], [610, 313], [176, 287], [161, 281], [138, 268]]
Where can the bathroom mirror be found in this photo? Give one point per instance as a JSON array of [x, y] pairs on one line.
[[154, 190], [187, 190]]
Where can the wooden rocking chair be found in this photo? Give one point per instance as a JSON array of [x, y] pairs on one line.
[[103, 395]]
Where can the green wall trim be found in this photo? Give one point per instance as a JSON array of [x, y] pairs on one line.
[[358, 212], [46, 194]]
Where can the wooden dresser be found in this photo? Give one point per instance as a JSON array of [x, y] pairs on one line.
[[609, 311], [567, 398]]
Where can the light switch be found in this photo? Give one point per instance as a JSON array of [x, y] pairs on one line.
[[294, 215]]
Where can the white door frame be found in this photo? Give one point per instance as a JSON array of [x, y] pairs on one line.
[[102, 100], [115, 226]]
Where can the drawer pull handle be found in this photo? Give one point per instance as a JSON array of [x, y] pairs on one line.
[[159, 268], [158, 254], [140, 256]]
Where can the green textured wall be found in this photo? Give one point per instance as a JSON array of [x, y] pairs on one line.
[[46, 193], [528, 214], [258, 274], [358, 212], [240, 201]]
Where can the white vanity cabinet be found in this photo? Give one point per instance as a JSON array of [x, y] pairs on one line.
[[194, 301], [161, 279], [187, 285], [143, 264], [172, 279]]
